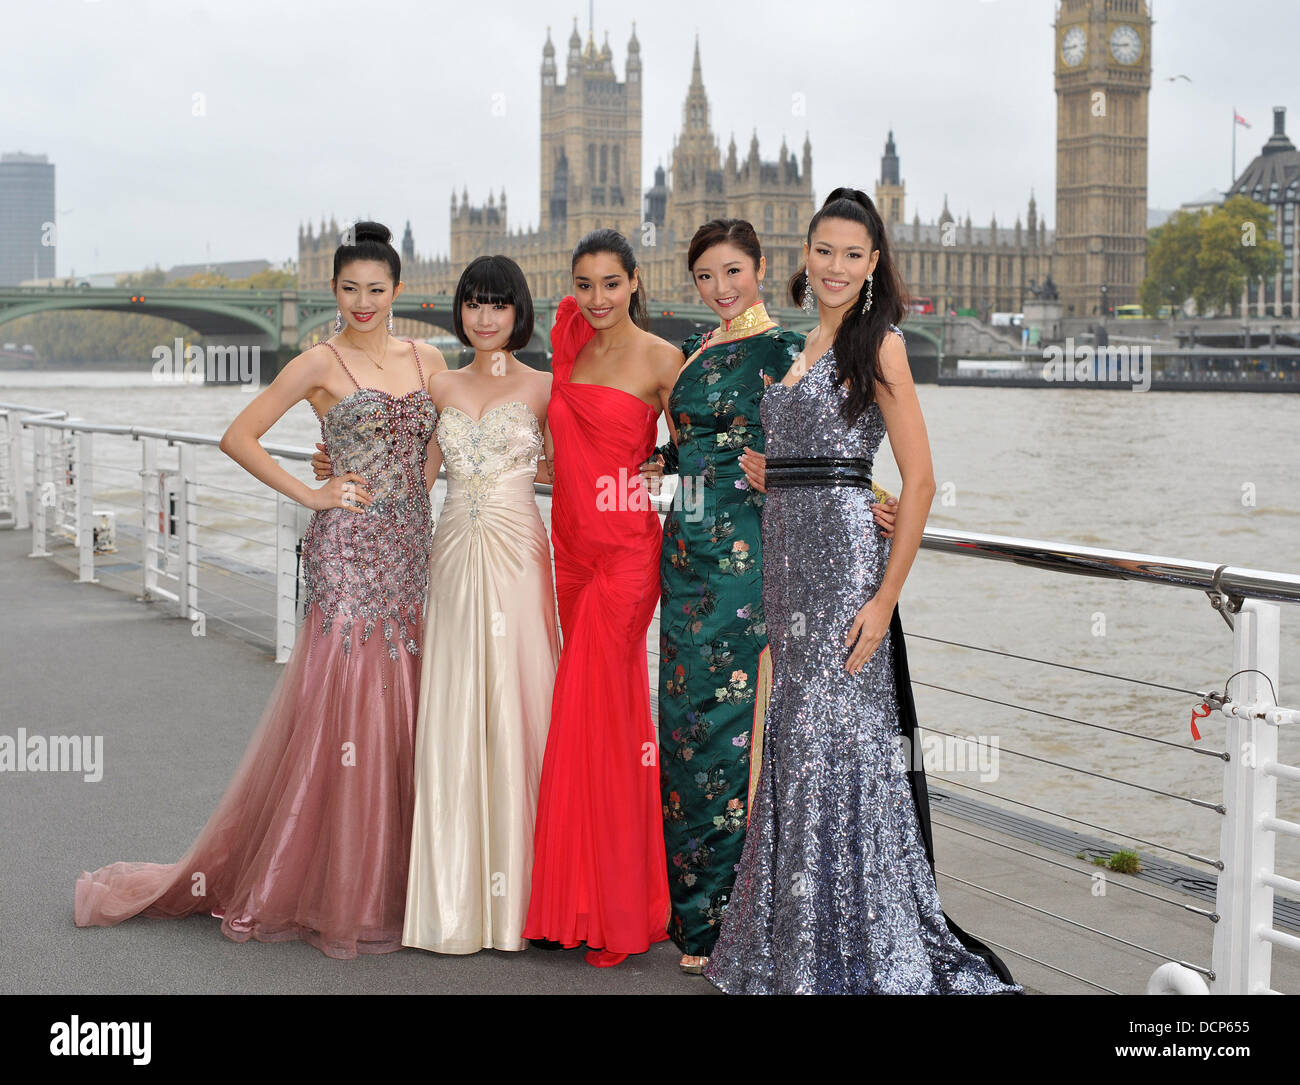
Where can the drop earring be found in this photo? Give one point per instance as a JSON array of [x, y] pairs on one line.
[[390, 321], [866, 304], [338, 321], [809, 303]]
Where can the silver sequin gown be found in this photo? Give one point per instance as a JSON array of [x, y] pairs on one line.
[[834, 893]]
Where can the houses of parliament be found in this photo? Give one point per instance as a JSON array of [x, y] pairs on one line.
[[590, 171]]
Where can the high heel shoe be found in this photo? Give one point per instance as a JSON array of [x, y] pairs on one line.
[[693, 966]]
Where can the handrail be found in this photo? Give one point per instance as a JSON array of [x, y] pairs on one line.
[[1119, 564], [79, 425], [1101, 562]]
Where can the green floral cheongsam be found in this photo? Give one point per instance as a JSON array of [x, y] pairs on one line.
[[711, 632]]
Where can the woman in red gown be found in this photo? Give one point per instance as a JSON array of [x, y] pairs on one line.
[[599, 873]]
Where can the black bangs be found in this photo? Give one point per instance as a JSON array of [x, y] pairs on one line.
[[488, 280], [486, 297]]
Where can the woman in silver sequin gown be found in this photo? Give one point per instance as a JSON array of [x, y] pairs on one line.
[[835, 890]]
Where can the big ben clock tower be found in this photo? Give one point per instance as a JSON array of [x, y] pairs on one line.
[[1103, 78]]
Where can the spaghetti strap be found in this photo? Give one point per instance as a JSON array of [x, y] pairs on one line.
[[344, 364], [419, 368]]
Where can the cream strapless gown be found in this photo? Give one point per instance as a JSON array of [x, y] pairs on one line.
[[491, 645]]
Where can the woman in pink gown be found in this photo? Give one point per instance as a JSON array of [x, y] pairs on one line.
[[599, 871], [311, 839]]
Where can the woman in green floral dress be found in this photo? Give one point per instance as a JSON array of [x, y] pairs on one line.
[[714, 673]]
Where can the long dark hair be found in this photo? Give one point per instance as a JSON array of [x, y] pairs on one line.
[[368, 241], [737, 232], [859, 338], [613, 242]]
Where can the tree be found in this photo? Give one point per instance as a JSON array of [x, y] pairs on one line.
[[270, 279], [1209, 256], [1171, 261], [1235, 247]]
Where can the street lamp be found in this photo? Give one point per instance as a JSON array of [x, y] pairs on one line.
[[1104, 310]]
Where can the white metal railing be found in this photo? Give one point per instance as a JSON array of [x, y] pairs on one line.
[[1248, 600], [171, 496], [13, 495], [1246, 936], [63, 508]]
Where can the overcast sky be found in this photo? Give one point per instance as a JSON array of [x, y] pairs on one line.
[[350, 108]]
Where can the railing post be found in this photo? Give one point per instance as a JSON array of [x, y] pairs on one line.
[[65, 485], [20, 483], [84, 468], [14, 485], [7, 486], [1242, 958], [187, 532], [152, 535], [42, 491], [286, 575]]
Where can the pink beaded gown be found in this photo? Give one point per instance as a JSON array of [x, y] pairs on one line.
[[311, 839]]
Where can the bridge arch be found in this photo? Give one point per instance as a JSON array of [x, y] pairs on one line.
[[233, 314]]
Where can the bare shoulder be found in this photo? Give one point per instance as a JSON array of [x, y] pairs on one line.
[[537, 380], [663, 354], [893, 358], [440, 383], [537, 390], [431, 357], [312, 365]]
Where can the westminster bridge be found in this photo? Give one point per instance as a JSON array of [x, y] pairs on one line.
[[282, 323]]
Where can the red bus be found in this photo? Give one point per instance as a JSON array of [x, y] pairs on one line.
[[921, 306]]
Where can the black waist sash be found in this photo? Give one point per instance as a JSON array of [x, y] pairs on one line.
[[817, 471]]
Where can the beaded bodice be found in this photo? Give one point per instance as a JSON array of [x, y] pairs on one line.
[[490, 457], [372, 566]]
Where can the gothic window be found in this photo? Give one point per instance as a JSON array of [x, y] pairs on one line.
[[794, 219], [604, 159], [618, 162], [768, 218], [591, 162]]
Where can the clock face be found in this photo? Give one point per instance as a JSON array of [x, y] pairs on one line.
[[1126, 45], [1074, 45]]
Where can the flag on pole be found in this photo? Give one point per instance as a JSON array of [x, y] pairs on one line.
[[1240, 119]]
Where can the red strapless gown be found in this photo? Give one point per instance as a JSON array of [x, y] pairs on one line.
[[599, 872]]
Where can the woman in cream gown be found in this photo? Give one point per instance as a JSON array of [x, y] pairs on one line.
[[489, 671], [491, 634], [485, 689]]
